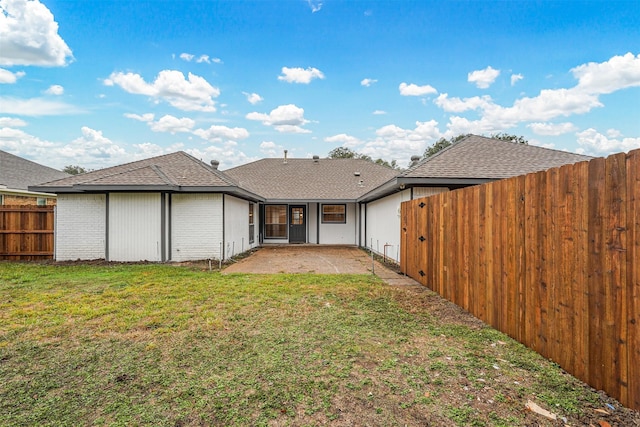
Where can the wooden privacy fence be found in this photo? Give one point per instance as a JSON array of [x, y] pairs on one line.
[[26, 233], [551, 259]]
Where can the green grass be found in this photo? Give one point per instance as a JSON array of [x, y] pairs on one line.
[[164, 345]]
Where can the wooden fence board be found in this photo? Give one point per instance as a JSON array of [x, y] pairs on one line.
[[633, 277], [26, 233], [551, 258]]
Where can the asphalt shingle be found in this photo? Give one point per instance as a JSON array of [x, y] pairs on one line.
[[18, 173], [481, 157], [309, 179]]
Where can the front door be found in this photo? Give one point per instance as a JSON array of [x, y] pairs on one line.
[[297, 224]]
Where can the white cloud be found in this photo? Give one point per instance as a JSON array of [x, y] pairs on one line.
[[55, 90], [515, 78], [253, 98], [227, 154], [7, 77], [597, 144], [617, 73], [22, 144], [415, 90], [271, 149], [285, 119], [218, 133], [36, 107], [344, 140], [457, 105], [192, 94], [314, 5], [483, 78], [379, 113], [368, 82], [203, 58], [147, 117], [172, 124], [187, 57], [553, 129], [12, 122], [29, 35], [300, 75]]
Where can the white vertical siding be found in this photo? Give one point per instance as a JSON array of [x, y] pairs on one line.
[[340, 234], [135, 227], [383, 224], [419, 192], [196, 226], [312, 223], [236, 226], [80, 227]]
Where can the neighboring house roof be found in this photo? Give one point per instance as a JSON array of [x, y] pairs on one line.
[[18, 174], [171, 172], [311, 179], [475, 160], [488, 158]]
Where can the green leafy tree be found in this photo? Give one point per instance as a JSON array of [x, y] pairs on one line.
[[74, 170], [347, 153], [443, 143], [511, 138]]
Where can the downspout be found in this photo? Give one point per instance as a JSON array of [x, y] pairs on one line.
[[169, 230], [106, 228], [365, 225], [318, 223], [163, 221], [223, 230], [359, 223]]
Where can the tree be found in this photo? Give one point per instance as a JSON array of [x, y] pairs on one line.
[[74, 170], [347, 153], [511, 138], [443, 143]]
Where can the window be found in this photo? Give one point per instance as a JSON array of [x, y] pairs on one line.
[[275, 222], [42, 201], [336, 214], [251, 224], [1, 199]]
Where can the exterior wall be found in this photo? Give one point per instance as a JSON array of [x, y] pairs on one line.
[[312, 223], [80, 227], [236, 226], [12, 199], [383, 224], [196, 226], [419, 192], [383, 220], [340, 234], [135, 232]]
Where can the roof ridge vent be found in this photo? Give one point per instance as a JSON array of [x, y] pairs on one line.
[[215, 164]]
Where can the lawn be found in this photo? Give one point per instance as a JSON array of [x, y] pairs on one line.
[[171, 346]]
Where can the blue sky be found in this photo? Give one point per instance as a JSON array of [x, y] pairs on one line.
[[99, 83]]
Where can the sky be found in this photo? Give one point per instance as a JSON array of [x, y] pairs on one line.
[[99, 83]]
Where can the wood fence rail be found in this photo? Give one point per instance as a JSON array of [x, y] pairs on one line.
[[551, 258], [26, 233]]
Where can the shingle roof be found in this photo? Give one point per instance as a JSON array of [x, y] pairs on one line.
[[18, 173], [481, 157], [309, 179], [171, 170]]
